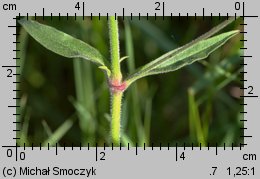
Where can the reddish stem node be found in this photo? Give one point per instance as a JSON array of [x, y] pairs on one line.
[[117, 86]]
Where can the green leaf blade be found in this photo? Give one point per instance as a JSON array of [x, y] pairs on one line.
[[183, 56], [198, 51], [61, 43]]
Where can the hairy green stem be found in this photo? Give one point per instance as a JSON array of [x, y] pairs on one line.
[[115, 81], [116, 116], [114, 45]]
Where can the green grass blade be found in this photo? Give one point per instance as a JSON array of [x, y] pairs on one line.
[[87, 122], [193, 51], [135, 108], [61, 43], [126, 140], [129, 47], [23, 135], [147, 120], [47, 129], [59, 133], [196, 128]]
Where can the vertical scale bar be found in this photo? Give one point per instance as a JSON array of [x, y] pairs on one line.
[[243, 76], [16, 84], [19, 54], [17, 111]]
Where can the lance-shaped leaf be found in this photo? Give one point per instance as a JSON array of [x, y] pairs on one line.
[[61, 43], [189, 53]]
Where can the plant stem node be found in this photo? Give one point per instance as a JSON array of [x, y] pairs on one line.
[[117, 86]]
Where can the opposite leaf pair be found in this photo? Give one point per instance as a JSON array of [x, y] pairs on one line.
[[68, 46]]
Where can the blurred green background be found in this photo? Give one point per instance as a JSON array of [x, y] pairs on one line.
[[67, 101]]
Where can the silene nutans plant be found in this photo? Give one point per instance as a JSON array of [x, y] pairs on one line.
[[70, 47]]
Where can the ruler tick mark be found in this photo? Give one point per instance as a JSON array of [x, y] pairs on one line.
[[163, 10], [176, 151], [83, 10], [203, 11], [42, 13], [248, 96], [96, 152], [123, 13], [248, 136], [216, 148], [56, 149], [136, 153], [246, 56]]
